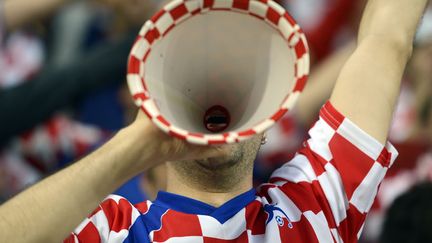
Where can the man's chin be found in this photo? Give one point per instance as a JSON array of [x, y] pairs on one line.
[[217, 163]]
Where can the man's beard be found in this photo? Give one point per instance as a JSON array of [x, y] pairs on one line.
[[221, 163]]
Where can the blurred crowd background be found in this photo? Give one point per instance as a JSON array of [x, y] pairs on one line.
[[63, 94]]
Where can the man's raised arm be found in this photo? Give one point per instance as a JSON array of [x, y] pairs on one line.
[[51, 209], [368, 86]]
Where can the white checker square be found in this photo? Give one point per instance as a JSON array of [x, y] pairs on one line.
[[185, 239], [101, 222], [291, 101], [303, 66], [321, 134], [229, 230], [286, 204], [256, 238], [336, 235], [118, 236], [151, 108], [140, 48], [297, 170], [164, 23], [285, 28], [320, 226], [134, 83], [262, 126], [258, 8], [363, 141], [196, 140], [192, 6], [334, 190], [223, 4], [365, 193]]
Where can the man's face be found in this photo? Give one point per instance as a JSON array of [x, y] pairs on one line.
[[219, 174]]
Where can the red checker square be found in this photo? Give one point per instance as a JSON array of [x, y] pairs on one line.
[[216, 142], [134, 65], [331, 115], [290, 19], [384, 158], [151, 36], [352, 223], [279, 114], [142, 207], [176, 224], [301, 83], [89, 234], [118, 215], [198, 135], [300, 49], [352, 164], [208, 3], [177, 135], [140, 96], [196, 11], [302, 231], [241, 4], [247, 133], [165, 122], [255, 218], [273, 16], [179, 12]]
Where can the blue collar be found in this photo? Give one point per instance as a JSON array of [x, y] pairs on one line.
[[191, 206]]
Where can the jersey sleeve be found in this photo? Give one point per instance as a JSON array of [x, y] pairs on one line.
[[110, 222], [334, 178]]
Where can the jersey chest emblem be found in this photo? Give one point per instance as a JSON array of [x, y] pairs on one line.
[[278, 214]]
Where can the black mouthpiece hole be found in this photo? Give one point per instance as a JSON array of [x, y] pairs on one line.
[[216, 119]]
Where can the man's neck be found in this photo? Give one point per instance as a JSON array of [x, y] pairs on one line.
[[203, 191]]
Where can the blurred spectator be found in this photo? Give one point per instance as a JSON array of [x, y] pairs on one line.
[[328, 24], [29, 96], [410, 217]]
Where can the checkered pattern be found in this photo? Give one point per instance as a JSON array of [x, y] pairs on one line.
[[321, 195], [178, 11]]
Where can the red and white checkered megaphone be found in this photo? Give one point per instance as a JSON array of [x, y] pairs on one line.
[[218, 71]]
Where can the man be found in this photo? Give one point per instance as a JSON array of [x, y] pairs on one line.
[[322, 195]]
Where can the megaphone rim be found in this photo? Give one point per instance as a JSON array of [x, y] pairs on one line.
[[180, 10]]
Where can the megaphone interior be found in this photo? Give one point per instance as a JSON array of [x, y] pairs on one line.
[[218, 71]]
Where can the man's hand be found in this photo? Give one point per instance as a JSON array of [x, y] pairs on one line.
[[163, 147]]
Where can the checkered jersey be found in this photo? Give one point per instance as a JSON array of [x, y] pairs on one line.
[[321, 195]]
